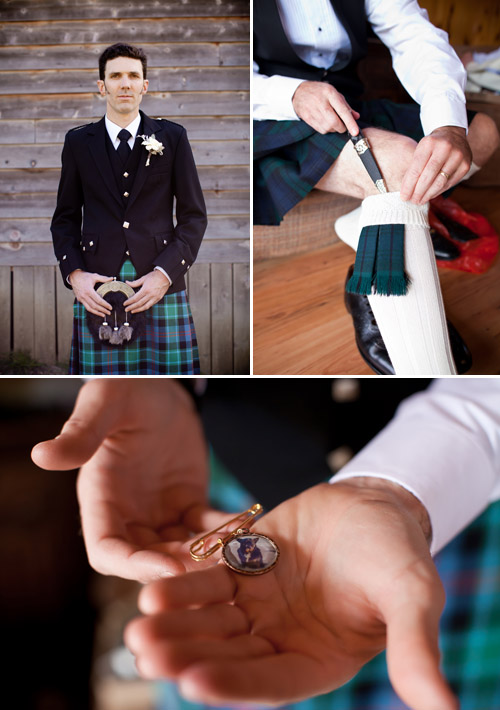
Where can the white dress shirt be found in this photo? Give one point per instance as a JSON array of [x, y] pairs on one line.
[[424, 62], [443, 445], [113, 131]]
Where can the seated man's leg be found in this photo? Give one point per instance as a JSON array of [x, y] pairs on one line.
[[483, 139], [413, 326]]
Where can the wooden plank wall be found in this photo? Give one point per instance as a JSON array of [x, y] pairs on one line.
[[198, 56]]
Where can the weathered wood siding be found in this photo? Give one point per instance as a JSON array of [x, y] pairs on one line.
[[198, 52]]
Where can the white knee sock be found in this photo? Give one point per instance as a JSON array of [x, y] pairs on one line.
[[413, 326]]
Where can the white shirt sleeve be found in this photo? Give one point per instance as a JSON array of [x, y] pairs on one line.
[[443, 445], [272, 96], [423, 60]]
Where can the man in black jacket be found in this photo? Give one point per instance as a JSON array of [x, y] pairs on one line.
[[124, 172]]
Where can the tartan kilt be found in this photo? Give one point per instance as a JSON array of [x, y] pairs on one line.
[[167, 346], [290, 157]]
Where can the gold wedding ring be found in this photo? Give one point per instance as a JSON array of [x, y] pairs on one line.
[[445, 175]]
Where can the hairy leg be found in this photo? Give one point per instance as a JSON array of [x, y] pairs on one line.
[[347, 176], [483, 138]]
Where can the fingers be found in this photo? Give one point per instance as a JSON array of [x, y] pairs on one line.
[[212, 585], [345, 113], [439, 162], [168, 658], [324, 108], [99, 278], [199, 518], [117, 557], [153, 287], [413, 652], [217, 621], [413, 661], [95, 413], [141, 301], [94, 303], [83, 284], [272, 678], [137, 282]]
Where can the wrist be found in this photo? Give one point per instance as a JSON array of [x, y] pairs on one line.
[[70, 276], [383, 489], [458, 130]]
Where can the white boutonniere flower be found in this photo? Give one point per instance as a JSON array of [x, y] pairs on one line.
[[153, 146]]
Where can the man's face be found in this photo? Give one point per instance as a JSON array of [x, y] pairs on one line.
[[123, 85]]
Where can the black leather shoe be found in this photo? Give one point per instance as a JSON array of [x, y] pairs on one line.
[[368, 338], [444, 249], [371, 346], [457, 231]]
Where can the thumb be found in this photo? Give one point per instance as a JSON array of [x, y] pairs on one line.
[[94, 416], [137, 282], [413, 653], [99, 278]]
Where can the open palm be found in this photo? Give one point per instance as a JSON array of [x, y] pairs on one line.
[[143, 478], [354, 576]]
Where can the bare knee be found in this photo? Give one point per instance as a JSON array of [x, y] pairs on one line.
[[393, 153], [484, 138]]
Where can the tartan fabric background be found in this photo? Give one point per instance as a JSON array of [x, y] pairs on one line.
[[290, 157], [168, 345], [470, 628]]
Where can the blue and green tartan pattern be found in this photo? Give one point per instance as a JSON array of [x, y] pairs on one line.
[[470, 627], [379, 265], [167, 345]]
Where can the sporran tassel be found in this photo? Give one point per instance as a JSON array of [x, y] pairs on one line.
[[105, 331]]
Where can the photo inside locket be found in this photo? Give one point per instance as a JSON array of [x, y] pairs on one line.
[[250, 552]]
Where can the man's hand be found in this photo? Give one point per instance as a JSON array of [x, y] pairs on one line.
[[445, 150], [354, 576], [324, 108], [143, 479], [83, 285], [153, 287]]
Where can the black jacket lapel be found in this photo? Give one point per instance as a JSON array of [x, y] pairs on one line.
[[150, 127], [97, 146]]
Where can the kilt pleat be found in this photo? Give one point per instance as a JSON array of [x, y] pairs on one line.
[[167, 346]]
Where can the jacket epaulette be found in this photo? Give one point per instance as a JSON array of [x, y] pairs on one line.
[[77, 128], [167, 120]]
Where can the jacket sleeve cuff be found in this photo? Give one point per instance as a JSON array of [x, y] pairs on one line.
[[173, 262], [68, 263]]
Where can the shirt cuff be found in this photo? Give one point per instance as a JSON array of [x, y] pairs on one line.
[[443, 111], [443, 448], [158, 268], [272, 97]]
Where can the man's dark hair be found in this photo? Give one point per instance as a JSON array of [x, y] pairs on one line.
[[122, 50]]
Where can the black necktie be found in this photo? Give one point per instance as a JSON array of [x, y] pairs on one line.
[[123, 149]]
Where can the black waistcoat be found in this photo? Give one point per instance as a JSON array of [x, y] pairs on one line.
[[123, 183], [275, 55]]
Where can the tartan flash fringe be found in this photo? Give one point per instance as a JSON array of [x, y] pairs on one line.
[[379, 265]]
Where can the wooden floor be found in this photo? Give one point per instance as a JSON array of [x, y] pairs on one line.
[[301, 326]]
